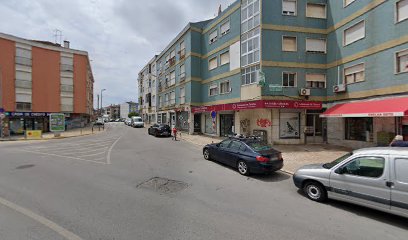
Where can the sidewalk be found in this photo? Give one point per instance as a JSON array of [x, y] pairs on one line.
[[67, 134], [294, 156]]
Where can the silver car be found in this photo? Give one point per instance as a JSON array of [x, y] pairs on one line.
[[372, 177]]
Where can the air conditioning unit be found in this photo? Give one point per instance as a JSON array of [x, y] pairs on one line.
[[339, 88], [304, 92]]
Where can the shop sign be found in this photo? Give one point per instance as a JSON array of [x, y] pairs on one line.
[[293, 104], [57, 122], [35, 134], [27, 114]]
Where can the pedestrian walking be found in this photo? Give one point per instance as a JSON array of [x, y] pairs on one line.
[[399, 142], [174, 134]]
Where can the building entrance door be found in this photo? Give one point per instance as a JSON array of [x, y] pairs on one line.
[[226, 124], [315, 128], [172, 120], [197, 123]]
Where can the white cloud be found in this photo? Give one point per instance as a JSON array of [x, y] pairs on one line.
[[121, 36]]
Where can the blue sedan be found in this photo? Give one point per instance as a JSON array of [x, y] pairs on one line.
[[248, 155]]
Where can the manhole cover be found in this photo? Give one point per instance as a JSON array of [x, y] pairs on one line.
[[25, 166], [163, 185]]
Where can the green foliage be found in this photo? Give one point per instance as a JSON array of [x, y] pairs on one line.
[[133, 114]]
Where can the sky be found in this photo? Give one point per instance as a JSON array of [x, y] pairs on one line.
[[120, 36]]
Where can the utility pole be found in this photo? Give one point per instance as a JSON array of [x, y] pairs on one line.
[[101, 100], [98, 103]]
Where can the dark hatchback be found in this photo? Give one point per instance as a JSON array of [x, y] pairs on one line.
[[248, 156], [159, 130]]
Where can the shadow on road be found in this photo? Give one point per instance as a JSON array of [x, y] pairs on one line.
[[370, 213], [272, 177]]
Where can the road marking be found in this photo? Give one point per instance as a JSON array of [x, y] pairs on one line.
[[108, 159], [75, 158], [90, 155], [44, 221]]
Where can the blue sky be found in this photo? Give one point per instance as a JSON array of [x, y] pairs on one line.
[[121, 36]]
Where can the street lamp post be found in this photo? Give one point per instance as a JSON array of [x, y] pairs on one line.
[[101, 100]]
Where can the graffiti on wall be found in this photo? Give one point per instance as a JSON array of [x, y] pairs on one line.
[[263, 122], [245, 126]]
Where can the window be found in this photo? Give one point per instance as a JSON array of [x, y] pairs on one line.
[[225, 87], [182, 49], [172, 59], [172, 78], [153, 100], [213, 37], [225, 28], [182, 95], [225, 143], [359, 129], [401, 170], [289, 7], [315, 10], [402, 61], [366, 167], [315, 80], [172, 98], [160, 101], [213, 89], [167, 79], [250, 47], [213, 63], [235, 146], [249, 75], [289, 44], [23, 107], [166, 99], [354, 73], [289, 79], [347, 2], [182, 72], [354, 33], [167, 61], [315, 45], [402, 10], [250, 15], [225, 58]]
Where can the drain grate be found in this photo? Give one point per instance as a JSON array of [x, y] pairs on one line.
[[163, 185]]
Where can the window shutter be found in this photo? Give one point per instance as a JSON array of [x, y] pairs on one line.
[[316, 77], [21, 52], [354, 33], [23, 97], [67, 61], [402, 10], [316, 10], [347, 2], [289, 6], [225, 28], [354, 69], [315, 45], [213, 63], [289, 44], [225, 58]]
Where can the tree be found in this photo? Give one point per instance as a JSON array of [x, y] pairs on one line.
[[133, 114]]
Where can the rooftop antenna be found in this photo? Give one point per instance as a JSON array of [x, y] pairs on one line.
[[58, 36]]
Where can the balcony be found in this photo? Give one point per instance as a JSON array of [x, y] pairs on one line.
[[24, 61], [182, 54], [67, 68], [182, 77], [172, 61]]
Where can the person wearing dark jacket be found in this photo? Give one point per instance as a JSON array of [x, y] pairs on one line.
[[399, 142]]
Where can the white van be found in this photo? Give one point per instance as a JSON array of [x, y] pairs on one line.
[[373, 177], [137, 122]]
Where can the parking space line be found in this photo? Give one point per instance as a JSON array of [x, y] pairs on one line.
[[72, 146], [75, 158], [108, 159], [90, 155], [58, 145], [44, 221], [80, 149]]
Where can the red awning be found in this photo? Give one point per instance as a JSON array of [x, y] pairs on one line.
[[394, 107]]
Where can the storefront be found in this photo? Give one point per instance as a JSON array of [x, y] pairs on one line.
[[182, 120], [367, 123], [278, 121]]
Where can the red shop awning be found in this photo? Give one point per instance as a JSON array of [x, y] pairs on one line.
[[394, 107]]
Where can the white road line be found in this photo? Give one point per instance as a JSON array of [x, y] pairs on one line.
[[108, 159], [64, 145], [94, 149], [90, 155], [44, 221], [56, 155]]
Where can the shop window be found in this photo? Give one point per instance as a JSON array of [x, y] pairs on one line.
[[402, 61], [402, 10], [289, 125], [315, 10], [289, 44], [359, 129], [354, 33], [289, 79], [354, 73]]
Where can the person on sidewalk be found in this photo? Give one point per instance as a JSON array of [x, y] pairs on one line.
[[399, 142], [174, 133]]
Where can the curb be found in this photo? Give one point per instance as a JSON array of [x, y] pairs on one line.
[[47, 139]]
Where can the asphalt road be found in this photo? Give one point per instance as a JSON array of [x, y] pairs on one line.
[[113, 186]]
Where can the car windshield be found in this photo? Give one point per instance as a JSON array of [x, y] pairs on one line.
[[337, 161], [259, 146]]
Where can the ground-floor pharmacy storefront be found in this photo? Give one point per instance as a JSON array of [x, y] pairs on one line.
[[276, 121], [367, 123]]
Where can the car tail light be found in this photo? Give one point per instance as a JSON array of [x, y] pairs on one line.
[[280, 156], [262, 159]]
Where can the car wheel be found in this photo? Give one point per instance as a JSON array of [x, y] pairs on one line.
[[315, 191], [155, 134], [207, 154], [243, 168]]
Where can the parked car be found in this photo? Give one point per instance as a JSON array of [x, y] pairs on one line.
[[99, 122], [128, 121], [137, 122], [248, 155], [372, 177], [159, 130]]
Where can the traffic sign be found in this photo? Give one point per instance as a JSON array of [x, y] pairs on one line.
[[213, 114], [1, 110]]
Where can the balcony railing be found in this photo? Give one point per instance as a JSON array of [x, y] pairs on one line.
[[24, 61]]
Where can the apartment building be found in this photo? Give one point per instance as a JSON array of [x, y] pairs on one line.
[[38, 78], [128, 107], [148, 91], [293, 71]]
